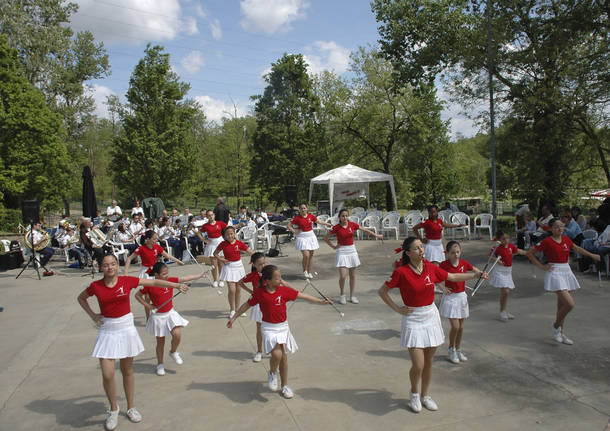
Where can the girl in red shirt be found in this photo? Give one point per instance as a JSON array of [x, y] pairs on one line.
[[454, 303], [306, 241], [233, 270], [502, 276], [272, 297], [559, 277], [421, 330], [149, 253], [433, 230], [117, 336], [346, 258], [213, 230], [165, 320]]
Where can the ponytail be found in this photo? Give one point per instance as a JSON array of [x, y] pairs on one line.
[[267, 274], [406, 245]]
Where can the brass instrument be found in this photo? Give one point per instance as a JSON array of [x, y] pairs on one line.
[[46, 240], [97, 237]]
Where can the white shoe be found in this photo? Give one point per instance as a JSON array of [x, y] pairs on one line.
[[287, 392], [414, 403], [510, 316], [503, 316], [557, 334], [306, 275], [112, 420], [461, 356], [354, 300], [134, 415], [429, 403], [566, 340], [215, 284], [342, 300], [177, 358], [244, 315], [231, 314], [160, 370], [272, 381], [452, 356], [257, 357], [221, 283]]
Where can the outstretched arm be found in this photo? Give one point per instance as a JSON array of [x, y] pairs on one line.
[[371, 233], [595, 257], [155, 282], [313, 299], [243, 285], [186, 278], [169, 257]]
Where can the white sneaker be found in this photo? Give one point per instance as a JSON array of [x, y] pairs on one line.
[[306, 275], [244, 315], [177, 358], [272, 381], [215, 284], [414, 403], [287, 392], [503, 316], [452, 356], [160, 370], [461, 356], [557, 335], [342, 300], [221, 283], [510, 316], [429, 403], [354, 300], [112, 420], [566, 340], [231, 314], [257, 357], [134, 415]]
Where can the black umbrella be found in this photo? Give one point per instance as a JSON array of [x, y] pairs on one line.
[[89, 204]]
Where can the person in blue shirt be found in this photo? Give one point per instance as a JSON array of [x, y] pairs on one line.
[[572, 229]]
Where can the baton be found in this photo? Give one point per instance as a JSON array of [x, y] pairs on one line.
[[325, 297], [474, 290]]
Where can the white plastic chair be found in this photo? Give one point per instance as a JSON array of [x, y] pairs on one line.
[[445, 215], [461, 218], [118, 249], [390, 223], [247, 235], [357, 210], [371, 222], [411, 219], [320, 229], [483, 221], [263, 237]]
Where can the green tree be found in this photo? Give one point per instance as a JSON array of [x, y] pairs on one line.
[[153, 154], [550, 66], [288, 134], [33, 156]]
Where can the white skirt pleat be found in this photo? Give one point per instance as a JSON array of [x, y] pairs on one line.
[[454, 306], [433, 250], [422, 328], [117, 338], [306, 241], [233, 271], [277, 333], [161, 324], [347, 257], [256, 314], [210, 247], [502, 276], [560, 277], [143, 273]]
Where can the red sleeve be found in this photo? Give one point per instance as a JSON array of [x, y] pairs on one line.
[[290, 294], [542, 246], [145, 290], [242, 246], [254, 299], [514, 249], [439, 273], [223, 225], [173, 280], [159, 249], [568, 241], [334, 229], [355, 226], [132, 282], [90, 290], [138, 251], [395, 280], [467, 265], [293, 220], [445, 264], [220, 247], [249, 278], [313, 218]]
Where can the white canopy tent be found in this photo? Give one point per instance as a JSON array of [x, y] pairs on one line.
[[350, 182]]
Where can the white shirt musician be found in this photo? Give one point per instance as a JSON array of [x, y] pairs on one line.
[[137, 209], [47, 252], [114, 211]]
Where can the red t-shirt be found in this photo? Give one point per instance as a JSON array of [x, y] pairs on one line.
[[433, 229], [254, 278], [556, 252], [114, 301], [462, 267], [158, 295], [232, 252], [149, 255], [273, 305], [345, 235], [213, 230], [304, 223], [417, 290], [506, 253]]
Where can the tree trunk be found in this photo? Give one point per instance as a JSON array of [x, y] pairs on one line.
[[66, 206]]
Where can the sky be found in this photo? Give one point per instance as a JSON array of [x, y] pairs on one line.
[[223, 48]]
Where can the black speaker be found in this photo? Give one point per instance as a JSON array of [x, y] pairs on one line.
[[290, 194], [30, 211]]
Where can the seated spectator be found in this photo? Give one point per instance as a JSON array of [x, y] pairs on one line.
[[579, 218], [572, 229], [593, 216], [601, 244], [524, 234]]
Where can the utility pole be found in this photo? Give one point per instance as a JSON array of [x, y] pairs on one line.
[[494, 211]]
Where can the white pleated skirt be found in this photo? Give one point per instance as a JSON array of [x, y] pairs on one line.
[[422, 328], [210, 247], [117, 338], [256, 314], [560, 277], [277, 333], [433, 250], [454, 306], [233, 271], [347, 257], [502, 276], [143, 273], [161, 324], [306, 241]]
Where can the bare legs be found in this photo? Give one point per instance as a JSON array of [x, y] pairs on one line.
[[126, 365], [259, 338], [565, 303], [234, 294], [279, 357], [217, 267], [421, 368], [343, 272], [503, 298], [455, 335], [307, 262]]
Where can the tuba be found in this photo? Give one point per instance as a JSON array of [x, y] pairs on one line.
[[97, 237], [46, 239]]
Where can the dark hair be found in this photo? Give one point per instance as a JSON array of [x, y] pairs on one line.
[[432, 206], [343, 210], [121, 227], [226, 229], [158, 267], [254, 258], [267, 274], [303, 203], [148, 222], [552, 221], [149, 234], [499, 234], [406, 245], [110, 254], [450, 244]]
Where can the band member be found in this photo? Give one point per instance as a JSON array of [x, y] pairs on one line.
[[125, 237], [136, 227], [117, 336], [137, 209], [94, 249], [172, 236], [113, 212], [69, 240], [47, 252], [195, 242]]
